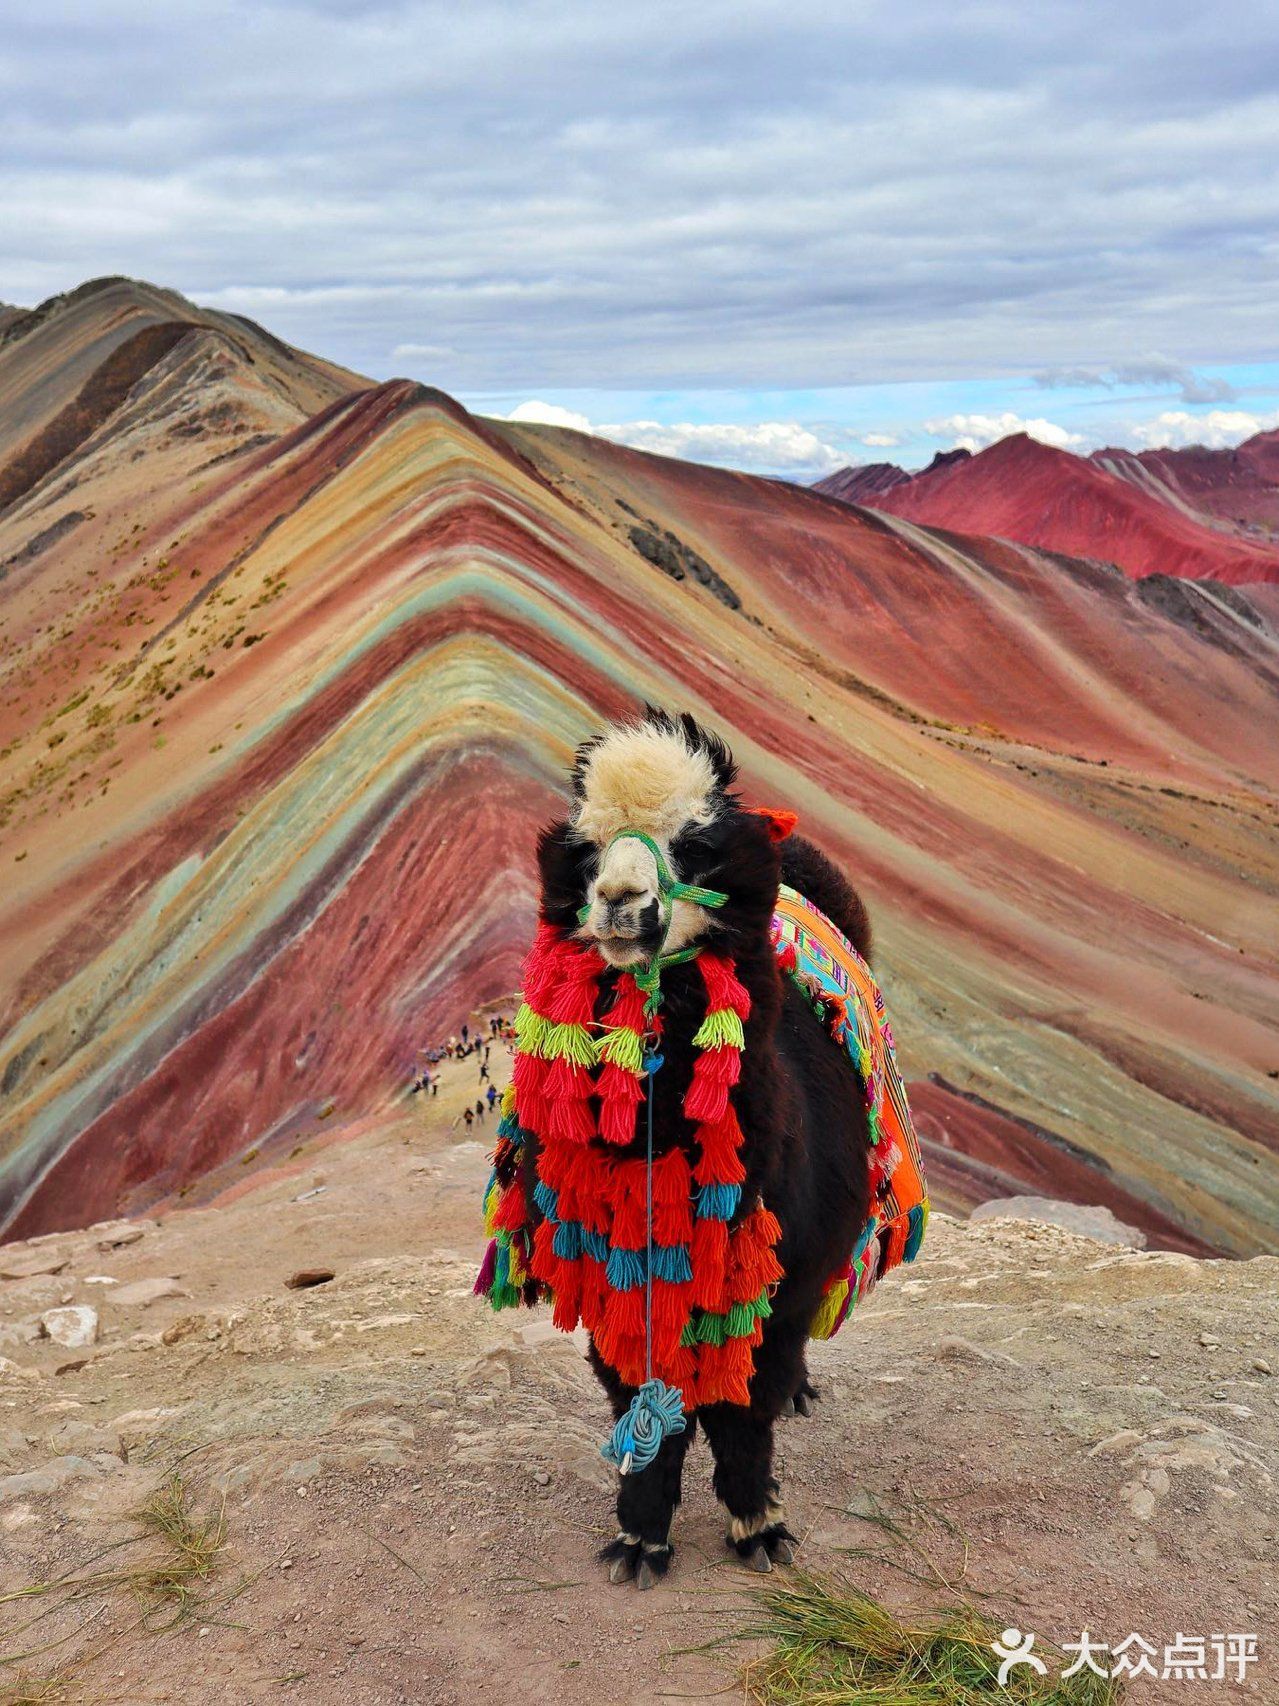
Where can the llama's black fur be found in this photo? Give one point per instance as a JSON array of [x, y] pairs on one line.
[[805, 1148]]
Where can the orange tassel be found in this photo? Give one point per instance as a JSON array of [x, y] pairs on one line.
[[708, 1253], [629, 1230]]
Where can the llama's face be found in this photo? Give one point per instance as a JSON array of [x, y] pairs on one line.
[[655, 778]]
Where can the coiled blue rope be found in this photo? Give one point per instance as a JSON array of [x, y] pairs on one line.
[[656, 1410]]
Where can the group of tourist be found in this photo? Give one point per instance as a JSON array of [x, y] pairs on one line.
[[477, 1044]]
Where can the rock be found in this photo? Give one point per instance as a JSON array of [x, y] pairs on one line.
[[115, 1234], [1262, 1366], [27, 1264], [141, 1294], [1209, 1341], [72, 1327], [1093, 1221], [307, 1277], [50, 1479], [182, 1328]]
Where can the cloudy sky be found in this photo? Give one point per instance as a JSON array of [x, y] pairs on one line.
[[777, 236]]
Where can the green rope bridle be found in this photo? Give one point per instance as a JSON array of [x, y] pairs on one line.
[[648, 978]]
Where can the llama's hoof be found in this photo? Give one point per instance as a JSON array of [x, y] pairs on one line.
[[790, 1408], [621, 1555], [653, 1565], [772, 1545], [805, 1398]]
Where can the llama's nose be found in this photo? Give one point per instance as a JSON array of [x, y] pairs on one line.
[[617, 893]]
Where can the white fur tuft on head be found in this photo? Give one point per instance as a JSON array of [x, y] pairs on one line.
[[644, 777]]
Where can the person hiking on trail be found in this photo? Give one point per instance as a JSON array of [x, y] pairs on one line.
[[435, 1085], [464, 1033], [490, 1095], [479, 1107], [484, 1072], [469, 1117]]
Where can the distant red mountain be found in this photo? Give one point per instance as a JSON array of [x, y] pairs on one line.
[[1239, 487], [1195, 514]]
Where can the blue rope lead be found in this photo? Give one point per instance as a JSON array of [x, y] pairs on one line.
[[657, 1409]]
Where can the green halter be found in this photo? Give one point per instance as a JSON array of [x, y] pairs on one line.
[[648, 978]]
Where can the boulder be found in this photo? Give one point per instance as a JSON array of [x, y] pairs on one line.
[[74, 1326], [1087, 1221]]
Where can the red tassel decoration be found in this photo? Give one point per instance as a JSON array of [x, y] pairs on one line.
[[629, 1193], [723, 988]]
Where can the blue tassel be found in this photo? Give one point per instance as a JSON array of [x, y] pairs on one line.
[[718, 1202], [915, 1237], [546, 1199], [595, 1244], [657, 1410], [567, 1242], [670, 1262], [625, 1269]]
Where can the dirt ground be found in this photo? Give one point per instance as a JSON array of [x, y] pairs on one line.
[[1070, 1434]]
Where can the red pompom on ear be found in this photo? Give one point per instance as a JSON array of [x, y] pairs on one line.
[[779, 823]]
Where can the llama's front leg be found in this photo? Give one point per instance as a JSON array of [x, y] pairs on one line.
[[646, 1504], [742, 1440]]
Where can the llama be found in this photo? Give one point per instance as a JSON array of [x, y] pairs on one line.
[[661, 886]]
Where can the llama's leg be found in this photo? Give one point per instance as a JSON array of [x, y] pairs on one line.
[[646, 1504], [805, 1395], [741, 1438]]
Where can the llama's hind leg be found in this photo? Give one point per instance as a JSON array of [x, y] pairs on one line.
[[646, 1503]]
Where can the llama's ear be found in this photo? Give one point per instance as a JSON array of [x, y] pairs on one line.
[[564, 863], [699, 739], [581, 758]]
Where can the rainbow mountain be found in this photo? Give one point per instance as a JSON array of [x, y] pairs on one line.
[[291, 668]]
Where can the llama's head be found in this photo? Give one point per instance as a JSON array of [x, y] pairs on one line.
[[653, 804]]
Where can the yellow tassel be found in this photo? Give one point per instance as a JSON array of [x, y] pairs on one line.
[[490, 1208], [828, 1311]]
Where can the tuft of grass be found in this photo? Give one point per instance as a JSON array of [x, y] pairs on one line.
[[51, 1690], [835, 1646], [191, 1546], [166, 1586]]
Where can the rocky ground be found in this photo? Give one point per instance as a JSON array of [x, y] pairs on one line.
[[413, 1488]]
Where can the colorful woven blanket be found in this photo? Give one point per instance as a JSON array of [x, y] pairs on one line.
[[578, 1086], [844, 993]]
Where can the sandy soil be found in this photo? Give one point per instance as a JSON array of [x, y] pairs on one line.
[[413, 1487]]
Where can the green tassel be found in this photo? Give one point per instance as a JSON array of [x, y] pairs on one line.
[[689, 1334], [505, 1296], [569, 1042], [720, 1029], [622, 1048], [741, 1318], [712, 1329], [530, 1030], [872, 1123]]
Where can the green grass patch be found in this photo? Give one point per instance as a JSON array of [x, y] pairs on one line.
[[835, 1646]]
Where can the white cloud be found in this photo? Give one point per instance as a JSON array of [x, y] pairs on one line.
[[1218, 429], [767, 447], [427, 351], [879, 440], [549, 414], [975, 432]]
